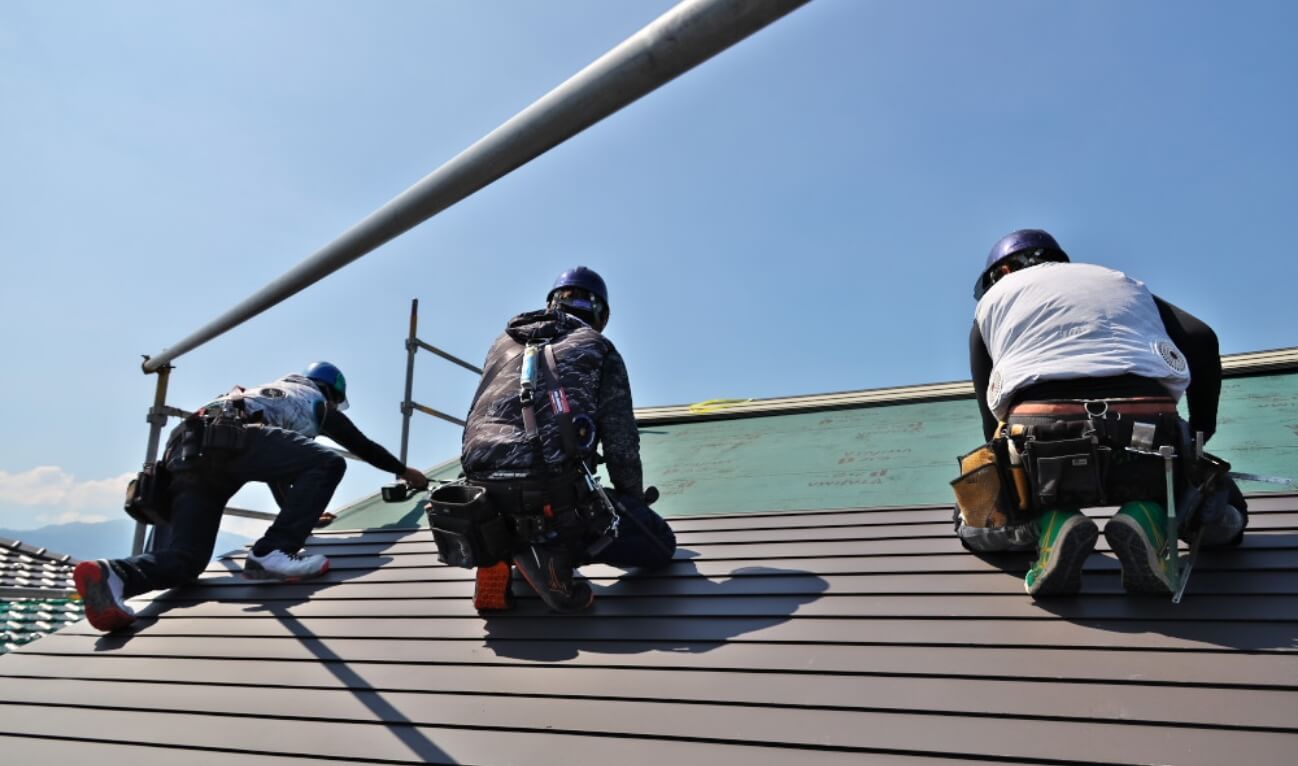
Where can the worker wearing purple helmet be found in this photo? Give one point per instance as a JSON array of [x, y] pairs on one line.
[[1078, 370], [555, 391]]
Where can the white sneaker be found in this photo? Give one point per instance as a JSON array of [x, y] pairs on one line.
[[289, 567], [101, 594]]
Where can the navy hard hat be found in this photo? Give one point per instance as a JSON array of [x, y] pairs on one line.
[[331, 379], [1012, 244], [584, 278], [591, 303]]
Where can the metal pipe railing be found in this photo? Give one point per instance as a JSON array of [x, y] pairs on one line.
[[448, 357], [411, 347], [408, 405], [680, 39], [437, 413], [157, 418]]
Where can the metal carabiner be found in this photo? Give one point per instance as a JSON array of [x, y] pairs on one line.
[[1104, 407]]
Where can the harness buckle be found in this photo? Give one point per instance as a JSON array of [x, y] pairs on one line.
[[1142, 436], [1103, 407]]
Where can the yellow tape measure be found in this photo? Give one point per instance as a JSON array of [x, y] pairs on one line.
[[716, 405]]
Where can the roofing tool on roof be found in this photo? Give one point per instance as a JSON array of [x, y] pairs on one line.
[[1168, 453], [614, 518], [1182, 511], [1263, 479]]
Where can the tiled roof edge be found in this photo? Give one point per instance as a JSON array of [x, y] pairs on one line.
[[1232, 365], [8, 592], [40, 553]]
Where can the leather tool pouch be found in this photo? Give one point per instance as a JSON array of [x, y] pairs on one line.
[[222, 435], [1066, 473], [985, 492], [148, 500], [468, 530]]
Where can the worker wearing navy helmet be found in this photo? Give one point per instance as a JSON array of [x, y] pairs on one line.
[[1078, 369], [262, 434], [556, 390]]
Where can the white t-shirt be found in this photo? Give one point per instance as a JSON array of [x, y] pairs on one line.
[[293, 403], [1063, 321]]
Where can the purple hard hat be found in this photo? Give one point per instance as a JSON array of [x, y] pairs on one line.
[[584, 278], [1012, 244]]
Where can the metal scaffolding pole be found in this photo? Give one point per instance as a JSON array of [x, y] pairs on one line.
[[411, 347], [157, 419], [408, 405], [684, 37]]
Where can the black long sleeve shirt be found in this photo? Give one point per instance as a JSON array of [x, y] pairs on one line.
[[341, 429]]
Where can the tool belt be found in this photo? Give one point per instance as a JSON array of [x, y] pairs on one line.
[[148, 498], [206, 438], [479, 522], [990, 492], [467, 528], [1069, 454]]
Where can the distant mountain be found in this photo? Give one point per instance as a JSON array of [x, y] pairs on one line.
[[106, 539]]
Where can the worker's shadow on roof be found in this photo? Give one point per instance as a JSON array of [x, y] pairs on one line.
[[223, 584], [1238, 598], [677, 609]]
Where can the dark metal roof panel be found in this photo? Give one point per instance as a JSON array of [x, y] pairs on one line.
[[817, 637]]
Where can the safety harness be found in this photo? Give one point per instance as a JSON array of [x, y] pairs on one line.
[[535, 510]]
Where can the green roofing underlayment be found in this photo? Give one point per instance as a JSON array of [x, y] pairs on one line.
[[873, 455]]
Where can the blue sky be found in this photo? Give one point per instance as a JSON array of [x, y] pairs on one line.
[[805, 213]]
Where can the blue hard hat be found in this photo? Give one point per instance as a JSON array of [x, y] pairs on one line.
[[584, 278], [331, 380], [587, 280], [1038, 241]]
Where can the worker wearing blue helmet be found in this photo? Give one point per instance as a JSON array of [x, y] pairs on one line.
[[1077, 371], [554, 393], [261, 434]]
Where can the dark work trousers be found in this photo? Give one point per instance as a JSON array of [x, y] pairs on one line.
[[650, 543], [302, 474]]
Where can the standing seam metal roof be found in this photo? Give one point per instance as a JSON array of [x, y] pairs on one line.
[[836, 636]]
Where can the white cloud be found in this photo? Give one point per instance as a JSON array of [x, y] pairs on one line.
[[50, 485], [48, 494]]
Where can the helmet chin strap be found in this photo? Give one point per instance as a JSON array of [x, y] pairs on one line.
[[591, 315]]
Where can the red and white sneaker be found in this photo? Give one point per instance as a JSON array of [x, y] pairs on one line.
[[101, 593], [287, 567]]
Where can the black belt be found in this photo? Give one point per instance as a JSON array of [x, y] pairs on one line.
[[533, 496]]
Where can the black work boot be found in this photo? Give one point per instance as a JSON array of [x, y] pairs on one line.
[[549, 570]]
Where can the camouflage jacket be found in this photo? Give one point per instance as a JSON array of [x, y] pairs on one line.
[[598, 393]]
